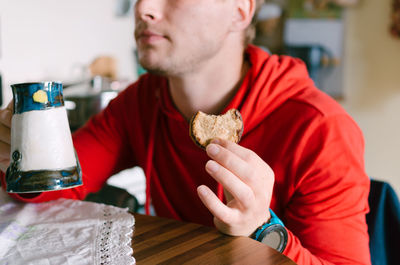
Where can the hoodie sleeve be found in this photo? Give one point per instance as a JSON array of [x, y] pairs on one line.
[[325, 217], [102, 148]]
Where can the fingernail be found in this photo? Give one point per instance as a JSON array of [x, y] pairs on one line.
[[202, 190], [212, 166], [212, 149]]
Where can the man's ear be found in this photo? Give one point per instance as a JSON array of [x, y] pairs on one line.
[[244, 13]]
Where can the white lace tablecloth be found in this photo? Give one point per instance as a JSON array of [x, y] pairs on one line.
[[64, 232]]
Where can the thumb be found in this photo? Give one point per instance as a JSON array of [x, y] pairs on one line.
[[10, 106]]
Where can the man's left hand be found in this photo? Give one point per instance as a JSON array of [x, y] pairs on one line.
[[248, 182]]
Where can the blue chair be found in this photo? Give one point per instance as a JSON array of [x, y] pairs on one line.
[[384, 224]]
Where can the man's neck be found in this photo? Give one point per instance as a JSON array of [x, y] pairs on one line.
[[210, 88]]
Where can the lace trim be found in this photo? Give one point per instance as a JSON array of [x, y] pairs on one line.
[[113, 244]]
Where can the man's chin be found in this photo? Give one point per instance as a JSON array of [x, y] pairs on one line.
[[156, 71], [156, 68]]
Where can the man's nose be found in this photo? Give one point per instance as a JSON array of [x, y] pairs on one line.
[[149, 10]]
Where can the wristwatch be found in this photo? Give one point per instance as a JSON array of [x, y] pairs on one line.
[[273, 233]]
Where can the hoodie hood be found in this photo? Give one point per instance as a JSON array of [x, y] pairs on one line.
[[270, 82]]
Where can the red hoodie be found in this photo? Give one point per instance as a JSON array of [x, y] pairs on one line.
[[313, 146]]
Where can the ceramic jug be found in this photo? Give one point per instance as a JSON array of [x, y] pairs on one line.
[[42, 155]]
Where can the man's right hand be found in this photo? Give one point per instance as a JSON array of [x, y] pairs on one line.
[[5, 136]]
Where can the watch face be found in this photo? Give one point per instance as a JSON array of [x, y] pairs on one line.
[[273, 239], [274, 236]]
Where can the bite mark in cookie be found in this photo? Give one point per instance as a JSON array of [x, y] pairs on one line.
[[204, 127]]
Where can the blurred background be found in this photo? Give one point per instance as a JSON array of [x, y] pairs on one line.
[[351, 48]]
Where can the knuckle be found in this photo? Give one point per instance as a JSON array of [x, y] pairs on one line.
[[225, 159], [247, 196], [247, 157], [224, 217], [269, 172], [256, 179], [253, 175], [250, 156]]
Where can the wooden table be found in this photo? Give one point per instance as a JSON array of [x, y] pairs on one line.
[[165, 241]]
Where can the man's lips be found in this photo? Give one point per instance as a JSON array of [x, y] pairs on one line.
[[149, 37]]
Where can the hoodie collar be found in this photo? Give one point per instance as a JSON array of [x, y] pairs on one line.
[[270, 81]]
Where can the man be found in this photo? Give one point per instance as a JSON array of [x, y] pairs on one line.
[[300, 155]]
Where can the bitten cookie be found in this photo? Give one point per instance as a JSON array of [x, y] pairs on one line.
[[204, 127]]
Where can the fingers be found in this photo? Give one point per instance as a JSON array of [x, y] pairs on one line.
[[240, 151], [5, 152], [5, 124], [249, 171], [232, 172], [237, 188], [214, 205], [4, 156], [5, 135], [250, 159], [240, 171], [6, 115], [248, 181], [235, 163]]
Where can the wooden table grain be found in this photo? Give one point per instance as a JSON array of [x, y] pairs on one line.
[[165, 241]]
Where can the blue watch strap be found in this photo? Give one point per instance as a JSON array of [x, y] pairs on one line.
[[274, 220]]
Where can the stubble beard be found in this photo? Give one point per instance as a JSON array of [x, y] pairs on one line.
[[179, 64], [170, 66]]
